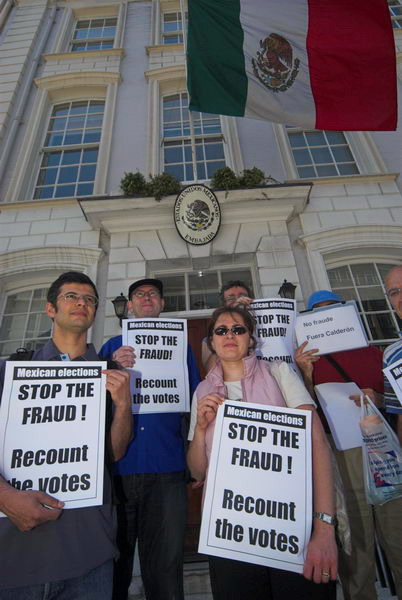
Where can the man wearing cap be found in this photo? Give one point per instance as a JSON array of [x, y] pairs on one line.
[[364, 367], [150, 479]]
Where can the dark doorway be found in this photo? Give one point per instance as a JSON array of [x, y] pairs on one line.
[[197, 330]]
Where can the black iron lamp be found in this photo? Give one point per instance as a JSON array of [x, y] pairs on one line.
[[287, 290], [120, 307]]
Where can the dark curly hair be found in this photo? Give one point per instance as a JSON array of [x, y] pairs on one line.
[[246, 316], [69, 277]]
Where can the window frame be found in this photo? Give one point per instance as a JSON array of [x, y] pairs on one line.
[[27, 288], [75, 42], [365, 313], [221, 270], [361, 144], [329, 146], [52, 90], [48, 150], [201, 139], [178, 32], [395, 18]]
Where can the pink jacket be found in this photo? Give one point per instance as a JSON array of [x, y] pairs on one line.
[[258, 386]]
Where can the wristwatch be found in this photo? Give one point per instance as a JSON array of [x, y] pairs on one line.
[[325, 517]]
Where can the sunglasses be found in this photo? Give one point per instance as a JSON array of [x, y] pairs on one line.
[[235, 330]]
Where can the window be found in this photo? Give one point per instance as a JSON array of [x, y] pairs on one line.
[[321, 153], [176, 140], [364, 283], [198, 290], [24, 324], [172, 28], [395, 8], [70, 150], [94, 34]]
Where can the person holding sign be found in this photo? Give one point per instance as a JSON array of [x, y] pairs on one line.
[[233, 293], [362, 366], [47, 550], [392, 354], [150, 479], [238, 375]]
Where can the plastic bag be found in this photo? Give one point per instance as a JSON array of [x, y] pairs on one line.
[[382, 456]]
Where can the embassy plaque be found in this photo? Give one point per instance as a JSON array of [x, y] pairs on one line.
[[197, 214]]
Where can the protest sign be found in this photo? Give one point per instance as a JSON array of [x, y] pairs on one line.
[[331, 328], [258, 506], [52, 429], [394, 376], [159, 379], [274, 330]]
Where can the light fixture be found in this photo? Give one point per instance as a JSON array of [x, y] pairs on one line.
[[120, 307], [287, 290]]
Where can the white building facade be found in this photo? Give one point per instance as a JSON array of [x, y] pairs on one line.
[[91, 90]]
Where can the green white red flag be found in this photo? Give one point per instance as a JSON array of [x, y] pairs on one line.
[[323, 64]]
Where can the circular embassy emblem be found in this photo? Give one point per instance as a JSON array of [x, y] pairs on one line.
[[197, 214]]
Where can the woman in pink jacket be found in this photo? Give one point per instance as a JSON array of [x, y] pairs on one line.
[[239, 375]]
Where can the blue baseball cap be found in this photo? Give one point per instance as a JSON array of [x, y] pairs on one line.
[[322, 296]]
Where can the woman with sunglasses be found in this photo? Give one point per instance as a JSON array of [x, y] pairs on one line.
[[239, 375]]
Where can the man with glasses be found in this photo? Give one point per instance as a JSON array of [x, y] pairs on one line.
[[233, 293], [150, 479], [48, 551], [393, 289]]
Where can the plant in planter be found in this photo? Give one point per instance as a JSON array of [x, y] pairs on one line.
[[225, 179], [133, 183], [252, 177], [162, 185]]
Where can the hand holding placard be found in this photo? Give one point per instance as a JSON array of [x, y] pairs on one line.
[[259, 448], [331, 328], [124, 356], [52, 430], [28, 509]]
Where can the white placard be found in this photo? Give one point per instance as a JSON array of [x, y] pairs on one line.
[[258, 506], [342, 414], [394, 376], [52, 429], [331, 328], [159, 379], [274, 329]]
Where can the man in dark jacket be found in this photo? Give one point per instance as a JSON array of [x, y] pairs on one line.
[[47, 551]]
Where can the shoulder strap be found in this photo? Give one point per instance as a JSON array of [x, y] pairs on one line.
[[21, 354], [338, 367]]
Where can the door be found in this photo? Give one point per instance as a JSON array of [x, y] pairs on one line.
[[197, 331]]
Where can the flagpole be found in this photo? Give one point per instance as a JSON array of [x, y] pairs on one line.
[[190, 114]]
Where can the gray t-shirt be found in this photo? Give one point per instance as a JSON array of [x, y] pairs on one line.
[[80, 540]]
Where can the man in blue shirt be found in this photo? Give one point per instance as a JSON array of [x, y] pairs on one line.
[[150, 478]]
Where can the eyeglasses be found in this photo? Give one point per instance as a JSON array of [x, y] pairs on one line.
[[234, 297], [73, 298], [235, 330], [150, 294], [394, 293]]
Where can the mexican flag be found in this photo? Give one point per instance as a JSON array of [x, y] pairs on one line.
[[323, 64]]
